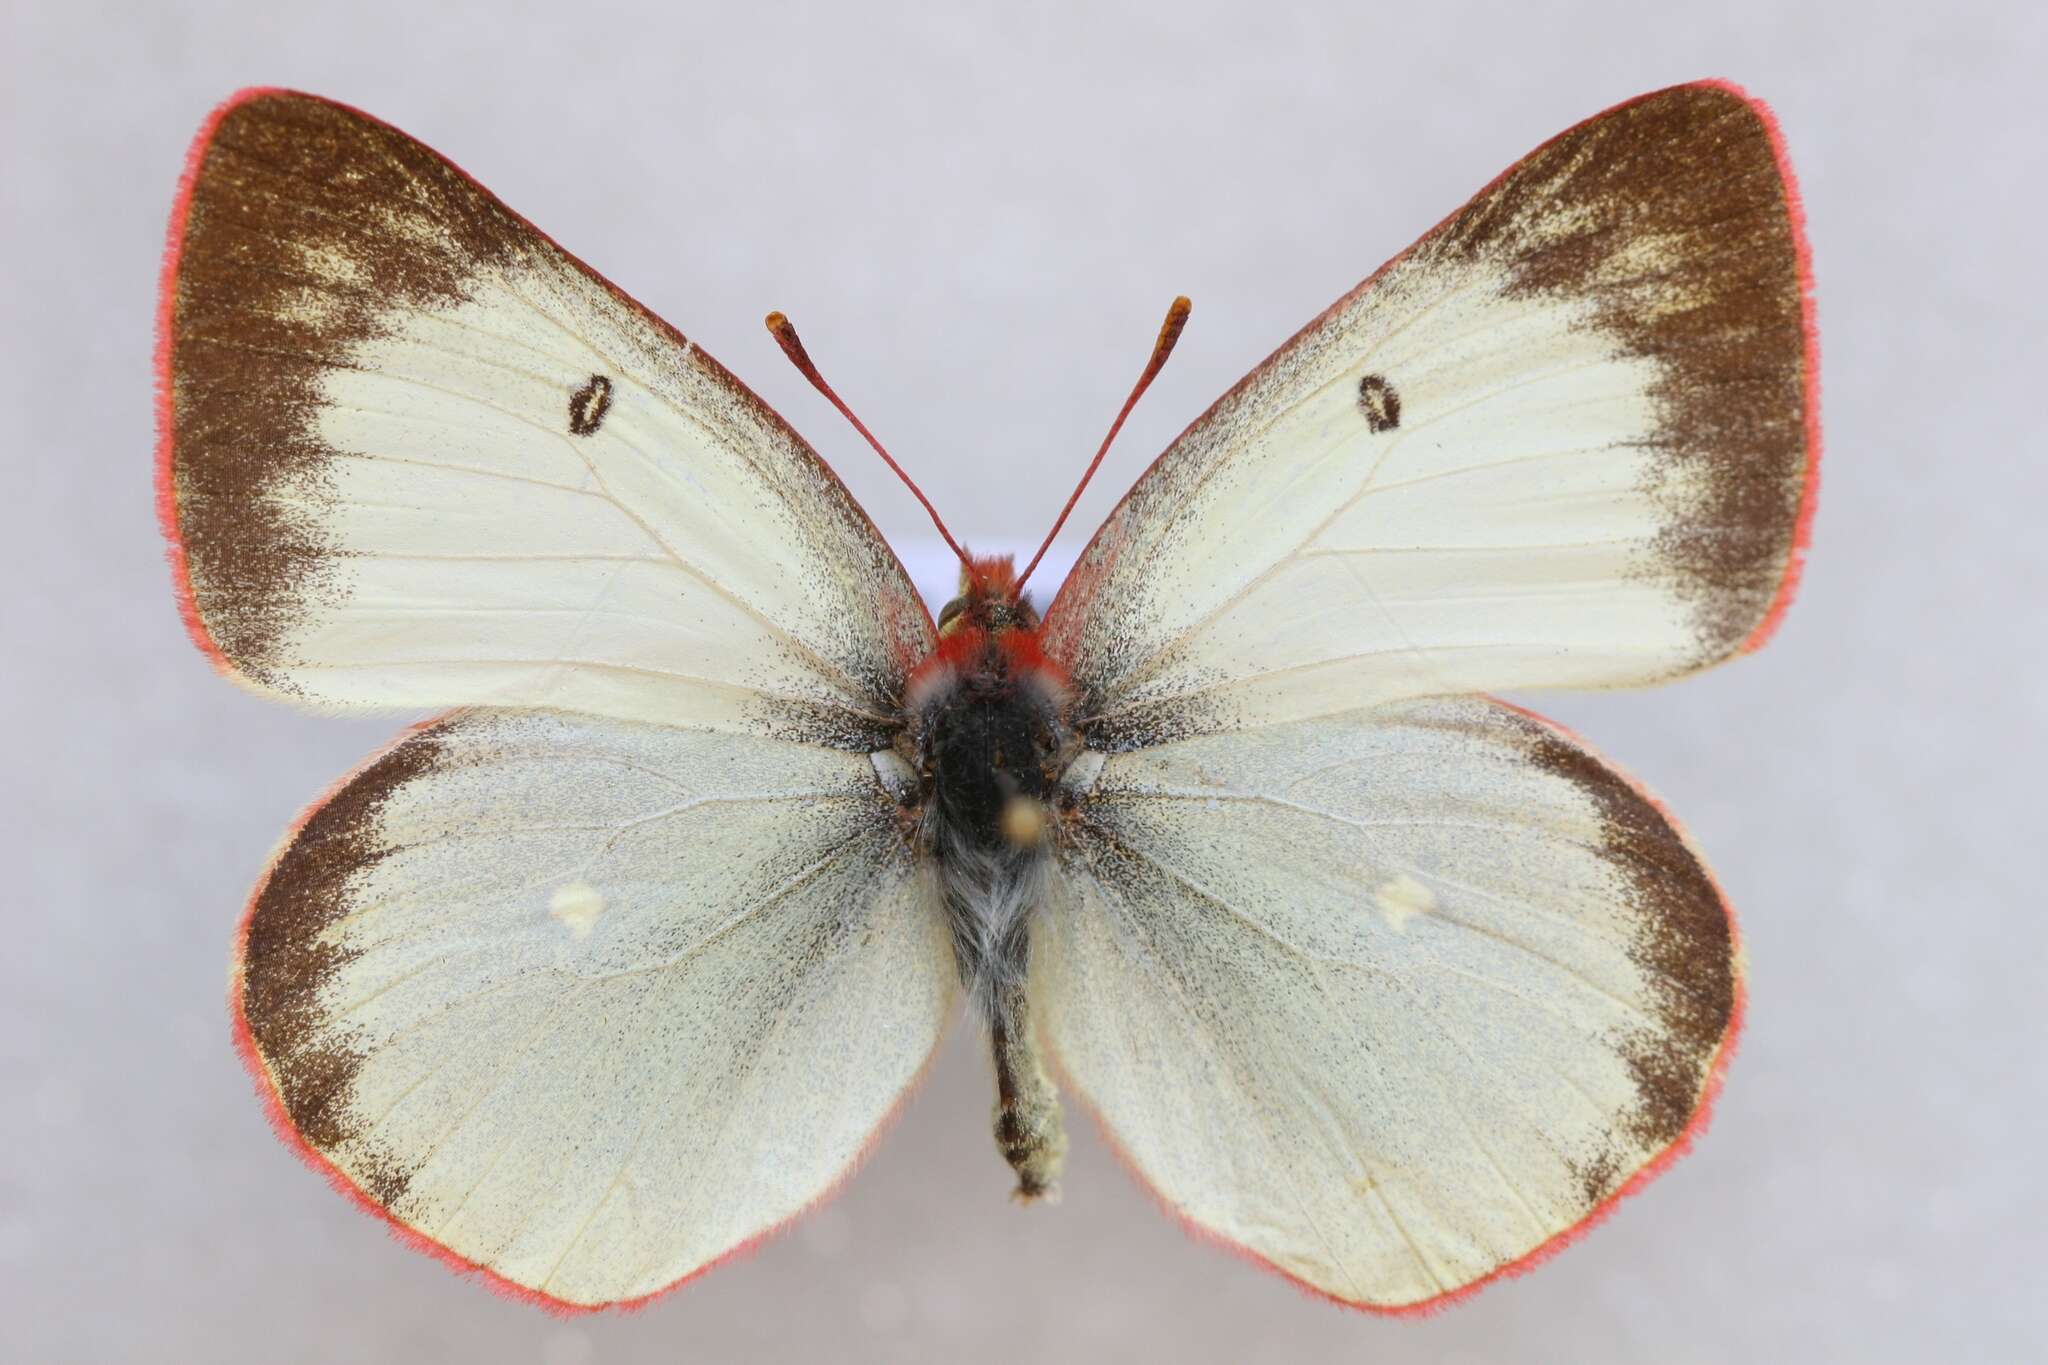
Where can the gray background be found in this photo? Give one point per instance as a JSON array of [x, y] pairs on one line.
[[976, 216]]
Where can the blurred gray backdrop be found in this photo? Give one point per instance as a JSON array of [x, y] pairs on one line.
[[976, 215]]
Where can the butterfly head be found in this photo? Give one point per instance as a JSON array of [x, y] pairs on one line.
[[989, 599], [988, 639]]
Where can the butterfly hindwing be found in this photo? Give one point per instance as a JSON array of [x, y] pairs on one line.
[[1566, 439], [416, 455], [1393, 1000], [589, 1004]]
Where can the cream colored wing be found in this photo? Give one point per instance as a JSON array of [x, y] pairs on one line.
[[1395, 1001], [1566, 439], [415, 455], [585, 1004]]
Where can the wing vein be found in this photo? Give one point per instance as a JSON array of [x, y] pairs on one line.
[[1234, 1068]]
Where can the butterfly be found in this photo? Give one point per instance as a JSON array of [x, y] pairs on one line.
[[617, 966]]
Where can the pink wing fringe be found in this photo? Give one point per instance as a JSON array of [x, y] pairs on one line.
[[1809, 496], [166, 419]]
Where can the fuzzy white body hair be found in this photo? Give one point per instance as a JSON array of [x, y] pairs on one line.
[[989, 895]]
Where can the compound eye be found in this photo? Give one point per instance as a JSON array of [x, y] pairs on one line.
[[949, 614]]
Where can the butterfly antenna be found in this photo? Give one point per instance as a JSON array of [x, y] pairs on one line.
[[793, 347], [1169, 333]]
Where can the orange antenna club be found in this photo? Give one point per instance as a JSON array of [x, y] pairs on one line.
[[793, 347], [1169, 333]]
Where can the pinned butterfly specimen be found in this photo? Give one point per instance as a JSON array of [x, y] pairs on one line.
[[617, 965]]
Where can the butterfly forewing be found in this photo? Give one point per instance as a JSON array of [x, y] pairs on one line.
[[589, 1004], [1566, 439], [416, 455]]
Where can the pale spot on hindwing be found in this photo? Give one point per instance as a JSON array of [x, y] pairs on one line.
[[1403, 898], [577, 905]]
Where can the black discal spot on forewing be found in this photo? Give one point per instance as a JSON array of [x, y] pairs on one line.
[[1380, 403], [588, 405]]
